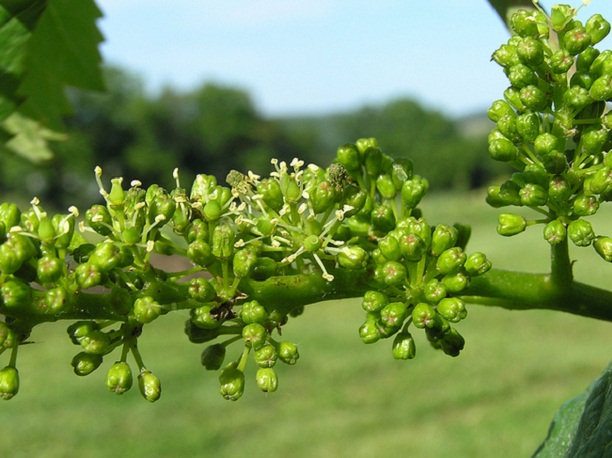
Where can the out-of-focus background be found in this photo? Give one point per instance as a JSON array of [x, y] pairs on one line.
[[210, 86]]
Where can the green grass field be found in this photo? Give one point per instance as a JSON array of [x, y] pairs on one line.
[[343, 398]]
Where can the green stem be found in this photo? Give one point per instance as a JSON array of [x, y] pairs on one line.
[[525, 291], [561, 266]]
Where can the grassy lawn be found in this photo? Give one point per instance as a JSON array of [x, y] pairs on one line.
[[343, 398]]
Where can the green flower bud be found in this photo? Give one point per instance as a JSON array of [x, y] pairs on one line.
[[534, 98], [266, 379], [434, 291], [159, 203], [232, 382], [85, 363], [585, 205], [593, 139], [8, 339], [386, 187], [413, 191], [88, 275], [452, 309], [404, 346], [146, 309], [503, 150], [374, 301], [372, 161], [99, 219], [253, 312], [10, 215], [348, 156], [507, 127], [322, 196], [456, 282], [602, 181], [119, 378], [525, 23], [576, 40], [212, 211], [15, 252], [106, 256], [602, 88], [149, 386], [512, 95], [581, 82], [413, 247], [521, 76], [290, 189], [546, 143], [244, 262], [254, 335], [555, 232], [352, 257], [49, 269], [64, 228], [561, 61], [15, 294], [477, 264], [56, 299], [452, 343], [390, 248], [212, 357], [200, 253], [528, 126], [530, 51], [586, 58], [201, 289], [223, 242], [287, 352], [451, 260], [577, 97], [79, 329], [533, 173], [401, 171], [265, 356], [597, 28], [272, 195], [580, 232], [603, 247], [559, 190], [203, 317], [443, 238], [533, 195], [511, 224], [359, 227], [196, 334], [393, 315], [506, 55], [198, 230], [383, 218], [425, 316], [95, 342], [394, 273], [369, 331], [9, 382], [500, 109]]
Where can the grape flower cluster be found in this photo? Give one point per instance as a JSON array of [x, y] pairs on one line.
[[260, 249], [553, 126]]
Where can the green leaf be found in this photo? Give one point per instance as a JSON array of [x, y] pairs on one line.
[[506, 8], [62, 51], [582, 428], [27, 138], [17, 20]]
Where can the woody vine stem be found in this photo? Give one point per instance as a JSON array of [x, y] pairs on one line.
[[262, 248]]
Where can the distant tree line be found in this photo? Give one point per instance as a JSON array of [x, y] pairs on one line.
[[215, 128]]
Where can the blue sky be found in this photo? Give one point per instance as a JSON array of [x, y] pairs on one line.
[[315, 56]]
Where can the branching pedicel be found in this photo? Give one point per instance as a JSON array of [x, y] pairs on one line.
[[263, 248]]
